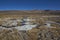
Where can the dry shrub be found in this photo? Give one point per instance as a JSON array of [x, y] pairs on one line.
[[9, 35], [45, 34]]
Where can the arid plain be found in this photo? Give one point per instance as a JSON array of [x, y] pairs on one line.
[[30, 25]]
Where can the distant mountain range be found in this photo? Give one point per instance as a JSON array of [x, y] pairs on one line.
[[44, 12]]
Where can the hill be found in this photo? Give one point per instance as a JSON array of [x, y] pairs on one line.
[[40, 12]]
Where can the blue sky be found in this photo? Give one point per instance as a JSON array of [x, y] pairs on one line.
[[29, 4]]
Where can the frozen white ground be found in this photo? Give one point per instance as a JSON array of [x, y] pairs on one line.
[[25, 27]]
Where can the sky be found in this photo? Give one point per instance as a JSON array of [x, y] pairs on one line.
[[29, 4]]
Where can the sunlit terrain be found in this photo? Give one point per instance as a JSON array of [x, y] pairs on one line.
[[30, 25]]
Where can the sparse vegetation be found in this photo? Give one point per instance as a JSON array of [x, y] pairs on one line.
[[40, 32]]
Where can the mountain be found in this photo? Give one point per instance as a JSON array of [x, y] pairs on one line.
[[43, 12]]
